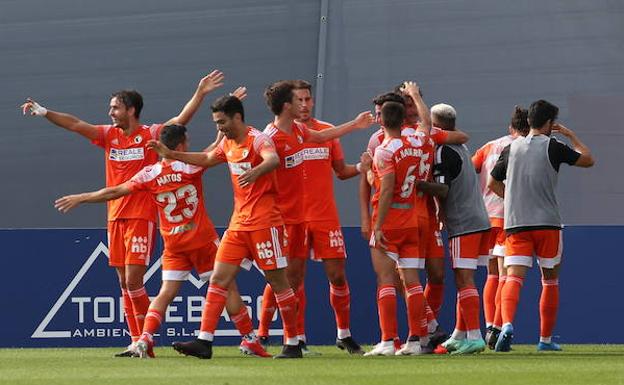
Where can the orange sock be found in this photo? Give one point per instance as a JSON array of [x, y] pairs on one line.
[[386, 305], [301, 307], [498, 314], [134, 330], [287, 304], [140, 304], [215, 303], [549, 305], [468, 299], [510, 297], [340, 300], [153, 320], [489, 298], [415, 302], [242, 321], [434, 294], [460, 325], [269, 305], [426, 319]]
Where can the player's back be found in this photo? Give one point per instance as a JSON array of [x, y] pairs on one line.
[[255, 205], [177, 189], [405, 157]]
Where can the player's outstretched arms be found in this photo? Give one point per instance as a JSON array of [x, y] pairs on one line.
[[270, 161], [201, 159], [362, 120], [61, 119], [206, 85], [68, 202], [586, 159]]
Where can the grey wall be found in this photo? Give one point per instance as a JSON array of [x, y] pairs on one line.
[[481, 56]]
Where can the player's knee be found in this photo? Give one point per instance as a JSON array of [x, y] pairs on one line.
[[435, 277], [337, 278]]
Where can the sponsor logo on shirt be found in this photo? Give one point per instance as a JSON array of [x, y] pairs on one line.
[[316, 153], [126, 154], [294, 160], [239, 168]]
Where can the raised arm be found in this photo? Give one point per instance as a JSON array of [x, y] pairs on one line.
[[586, 159], [68, 202], [61, 119], [201, 159], [363, 120], [413, 91], [206, 85]]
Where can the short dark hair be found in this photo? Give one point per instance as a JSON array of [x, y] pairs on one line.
[[172, 135], [278, 94], [130, 98], [302, 85], [541, 112], [392, 115], [520, 121], [229, 105], [379, 100]]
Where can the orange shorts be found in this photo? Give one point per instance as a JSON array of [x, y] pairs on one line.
[[296, 240], [546, 245], [130, 242], [497, 242], [325, 241], [405, 246], [434, 244], [176, 266], [262, 247], [466, 249]]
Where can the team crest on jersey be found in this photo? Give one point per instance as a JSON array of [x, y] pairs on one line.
[[138, 139], [245, 153]]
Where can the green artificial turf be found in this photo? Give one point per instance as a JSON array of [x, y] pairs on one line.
[[577, 364]]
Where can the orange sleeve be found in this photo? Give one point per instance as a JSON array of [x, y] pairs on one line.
[[100, 141], [438, 136], [383, 162], [219, 152], [336, 150], [478, 158]]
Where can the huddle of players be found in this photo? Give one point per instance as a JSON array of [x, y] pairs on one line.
[[503, 222], [272, 219]]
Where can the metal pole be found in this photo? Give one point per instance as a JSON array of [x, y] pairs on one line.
[[320, 66]]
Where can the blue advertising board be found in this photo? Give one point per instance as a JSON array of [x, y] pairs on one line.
[[58, 290]]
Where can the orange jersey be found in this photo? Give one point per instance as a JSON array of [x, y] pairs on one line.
[[255, 205], [484, 160], [406, 159], [318, 175], [176, 188], [125, 156], [289, 148]]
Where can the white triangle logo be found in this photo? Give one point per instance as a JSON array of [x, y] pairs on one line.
[[41, 332]]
